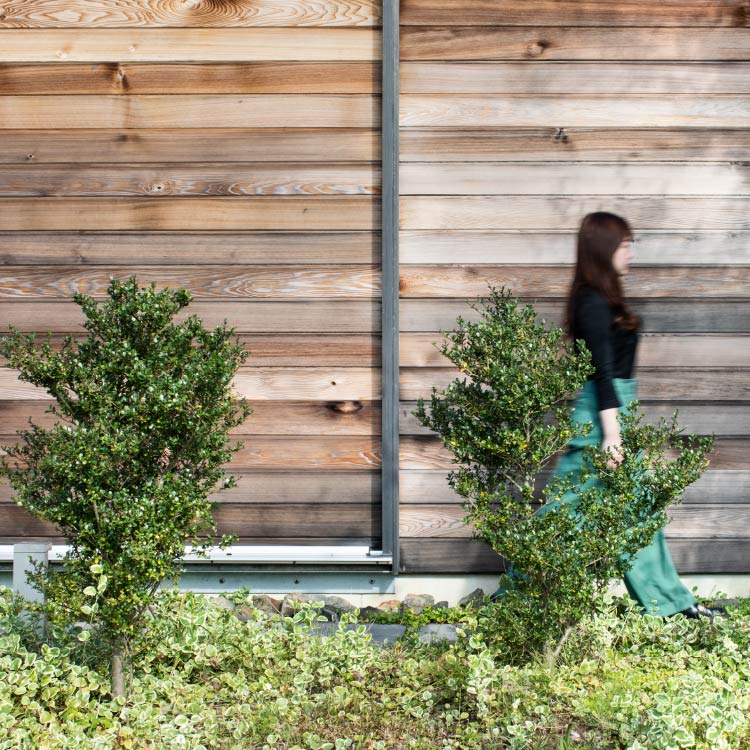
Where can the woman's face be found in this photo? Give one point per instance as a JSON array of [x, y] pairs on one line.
[[622, 257]]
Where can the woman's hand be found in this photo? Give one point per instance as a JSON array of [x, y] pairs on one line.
[[612, 441], [614, 445]]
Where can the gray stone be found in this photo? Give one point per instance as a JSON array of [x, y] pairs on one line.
[[418, 602], [435, 632], [266, 604], [368, 613], [381, 634], [221, 602], [442, 605], [291, 602], [473, 600]]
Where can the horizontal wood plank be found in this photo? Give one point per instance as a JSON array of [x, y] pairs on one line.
[[423, 452], [317, 452], [487, 178], [575, 13], [461, 280], [267, 418], [294, 520], [219, 282], [689, 522], [308, 349], [256, 383], [252, 316], [191, 78], [219, 213], [700, 419], [561, 78], [549, 144], [472, 556], [658, 316], [672, 384], [189, 45], [714, 486], [602, 110], [191, 111], [190, 180], [562, 212], [218, 145], [552, 248], [184, 248], [24, 14], [258, 486], [572, 42]]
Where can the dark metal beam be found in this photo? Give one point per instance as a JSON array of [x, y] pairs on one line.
[[390, 293]]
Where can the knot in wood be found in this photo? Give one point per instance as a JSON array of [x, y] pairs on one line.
[[346, 407]]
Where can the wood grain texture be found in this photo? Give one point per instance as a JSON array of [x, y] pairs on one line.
[[183, 248], [659, 316], [307, 349], [189, 45], [719, 487], [190, 180], [548, 144], [268, 418], [24, 14], [668, 384], [216, 145], [573, 178], [252, 316], [561, 78], [559, 248], [422, 452], [258, 486], [436, 281], [256, 383], [319, 452], [562, 212], [218, 282], [191, 78], [576, 13], [602, 110], [188, 111], [720, 419], [464, 43], [472, 556], [293, 520], [690, 522], [263, 212]]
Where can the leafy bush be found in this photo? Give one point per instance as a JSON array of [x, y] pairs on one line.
[[212, 681], [145, 408], [504, 421]]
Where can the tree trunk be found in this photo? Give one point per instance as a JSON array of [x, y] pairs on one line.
[[118, 677]]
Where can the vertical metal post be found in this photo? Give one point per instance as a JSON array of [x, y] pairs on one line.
[[390, 293]]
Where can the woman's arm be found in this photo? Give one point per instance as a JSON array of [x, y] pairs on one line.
[[594, 319]]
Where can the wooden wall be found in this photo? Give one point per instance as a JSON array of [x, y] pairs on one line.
[[231, 148], [516, 119]]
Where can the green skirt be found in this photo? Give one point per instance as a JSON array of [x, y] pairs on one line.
[[652, 580]]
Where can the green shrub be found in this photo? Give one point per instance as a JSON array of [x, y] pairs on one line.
[[144, 408], [504, 421]]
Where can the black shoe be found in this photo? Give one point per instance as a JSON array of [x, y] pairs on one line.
[[696, 611]]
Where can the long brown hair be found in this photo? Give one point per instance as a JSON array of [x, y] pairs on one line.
[[600, 234]]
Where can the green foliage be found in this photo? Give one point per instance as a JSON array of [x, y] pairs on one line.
[[144, 409], [504, 422], [209, 680]]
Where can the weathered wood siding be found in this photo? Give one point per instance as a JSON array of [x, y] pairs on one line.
[[517, 118], [233, 149]]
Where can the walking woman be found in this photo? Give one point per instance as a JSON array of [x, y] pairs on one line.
[[598, 314]]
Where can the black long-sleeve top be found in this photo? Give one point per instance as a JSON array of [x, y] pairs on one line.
[[612, 348]]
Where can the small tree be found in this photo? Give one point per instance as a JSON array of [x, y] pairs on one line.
[[145, 408], [504, 424]]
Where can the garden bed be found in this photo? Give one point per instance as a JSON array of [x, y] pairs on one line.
[[213, 676]]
